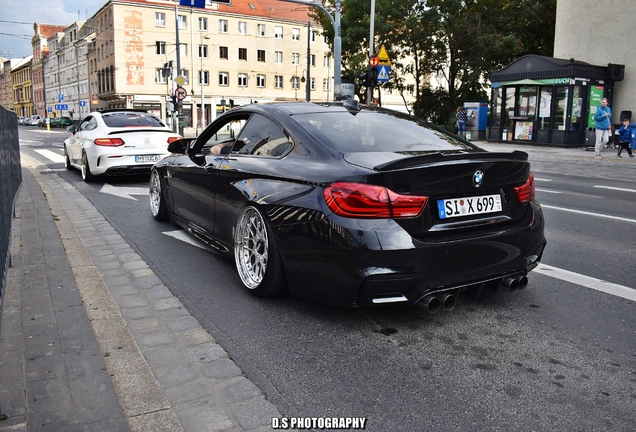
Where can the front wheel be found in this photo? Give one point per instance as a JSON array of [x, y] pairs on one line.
[[256, 254], [86, 170], [158, 205], [67, 160]]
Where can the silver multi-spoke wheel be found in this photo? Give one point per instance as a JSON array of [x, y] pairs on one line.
[[86, 169], [157, 204], [251, 248]]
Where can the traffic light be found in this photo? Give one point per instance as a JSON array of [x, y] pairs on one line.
[[372, 76], [362, 80]]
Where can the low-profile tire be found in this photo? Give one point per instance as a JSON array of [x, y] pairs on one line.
[[158, 206], [86, 170], [67, 160], [256, 254]]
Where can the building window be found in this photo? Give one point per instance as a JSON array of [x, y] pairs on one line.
[[278, 32], [203, 24], [295, 34], [312, 85], [223, 52], [205, 76], [312, 59], [261, 29], [242, 80], [183, 23], [203, 51], [312, 36], [279, 57], [326, 61], [260, 81], [224, 79], [295, 82], [325, 84], [242, 27], [409, 89], [242, 53], [260, 55], [278, 81], [295, 58], [160, 19], [186, 75], [222, 26], [183, 50]]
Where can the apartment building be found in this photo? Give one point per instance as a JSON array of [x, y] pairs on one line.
[[66, 84], [249, 51], [6, 85], [22, 88], [39, 42]]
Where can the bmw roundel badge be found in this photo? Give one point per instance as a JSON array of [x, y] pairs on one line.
[[478, 177]]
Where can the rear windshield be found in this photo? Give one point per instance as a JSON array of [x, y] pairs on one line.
[[376, 132], [127, 119]]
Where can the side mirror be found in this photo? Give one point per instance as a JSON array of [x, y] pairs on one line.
[[71, 129], [180, 146]]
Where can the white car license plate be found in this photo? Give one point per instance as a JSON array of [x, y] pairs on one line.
[[154, 158], [468, 206]]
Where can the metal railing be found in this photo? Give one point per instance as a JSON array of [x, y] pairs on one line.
[[10, 179]]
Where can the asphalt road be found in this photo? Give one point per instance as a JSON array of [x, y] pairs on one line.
[[556, 356]]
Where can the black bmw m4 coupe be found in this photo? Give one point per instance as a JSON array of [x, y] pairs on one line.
[[352, 205]]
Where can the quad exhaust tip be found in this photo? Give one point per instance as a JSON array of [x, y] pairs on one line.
[[514, 283], [434, 303]]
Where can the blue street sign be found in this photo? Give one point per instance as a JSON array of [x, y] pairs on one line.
[[61, 107], [60, 97], [193, 3], [82, 103], [384, 73], [49, 109]]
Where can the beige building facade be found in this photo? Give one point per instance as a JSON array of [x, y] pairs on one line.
[[600, 33], [248, 52], [22, 88]]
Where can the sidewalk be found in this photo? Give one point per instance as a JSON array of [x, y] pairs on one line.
[[91, 340]]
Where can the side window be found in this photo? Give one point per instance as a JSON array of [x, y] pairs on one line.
[[262, 137], [85, 123], [224, 133]]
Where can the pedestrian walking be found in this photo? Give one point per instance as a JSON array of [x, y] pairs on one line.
[[625, 138], [602, 117], [462, 118]]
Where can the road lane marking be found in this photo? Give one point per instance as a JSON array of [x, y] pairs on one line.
[[616, 188], [623, 219], [587, 281], [548, 191], [124, 191], [52, 156], [542, 179], [185, 237]]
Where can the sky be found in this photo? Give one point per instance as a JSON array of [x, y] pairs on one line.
[[17, 18]]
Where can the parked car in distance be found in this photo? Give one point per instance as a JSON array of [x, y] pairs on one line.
[[60, 122], [352, 205], [33, 120], [21, 120], [117, 142]]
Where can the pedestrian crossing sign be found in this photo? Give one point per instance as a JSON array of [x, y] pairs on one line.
[[384, 73]]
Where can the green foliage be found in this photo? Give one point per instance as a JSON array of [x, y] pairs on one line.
[[458, 42]]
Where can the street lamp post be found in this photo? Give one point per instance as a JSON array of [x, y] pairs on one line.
[[337, 42], [201, 79]]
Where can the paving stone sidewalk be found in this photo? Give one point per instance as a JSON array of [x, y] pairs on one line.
[[118, 333]]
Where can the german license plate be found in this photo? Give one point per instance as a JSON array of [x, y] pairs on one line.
[[154, 158], [456, 207]]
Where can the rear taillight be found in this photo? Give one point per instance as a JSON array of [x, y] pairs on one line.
[[525, 192], [173, 139], [359, 200], [112, 142]]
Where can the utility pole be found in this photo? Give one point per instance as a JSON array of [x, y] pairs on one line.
[[371, 36], [308, 83], [179, 106]]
